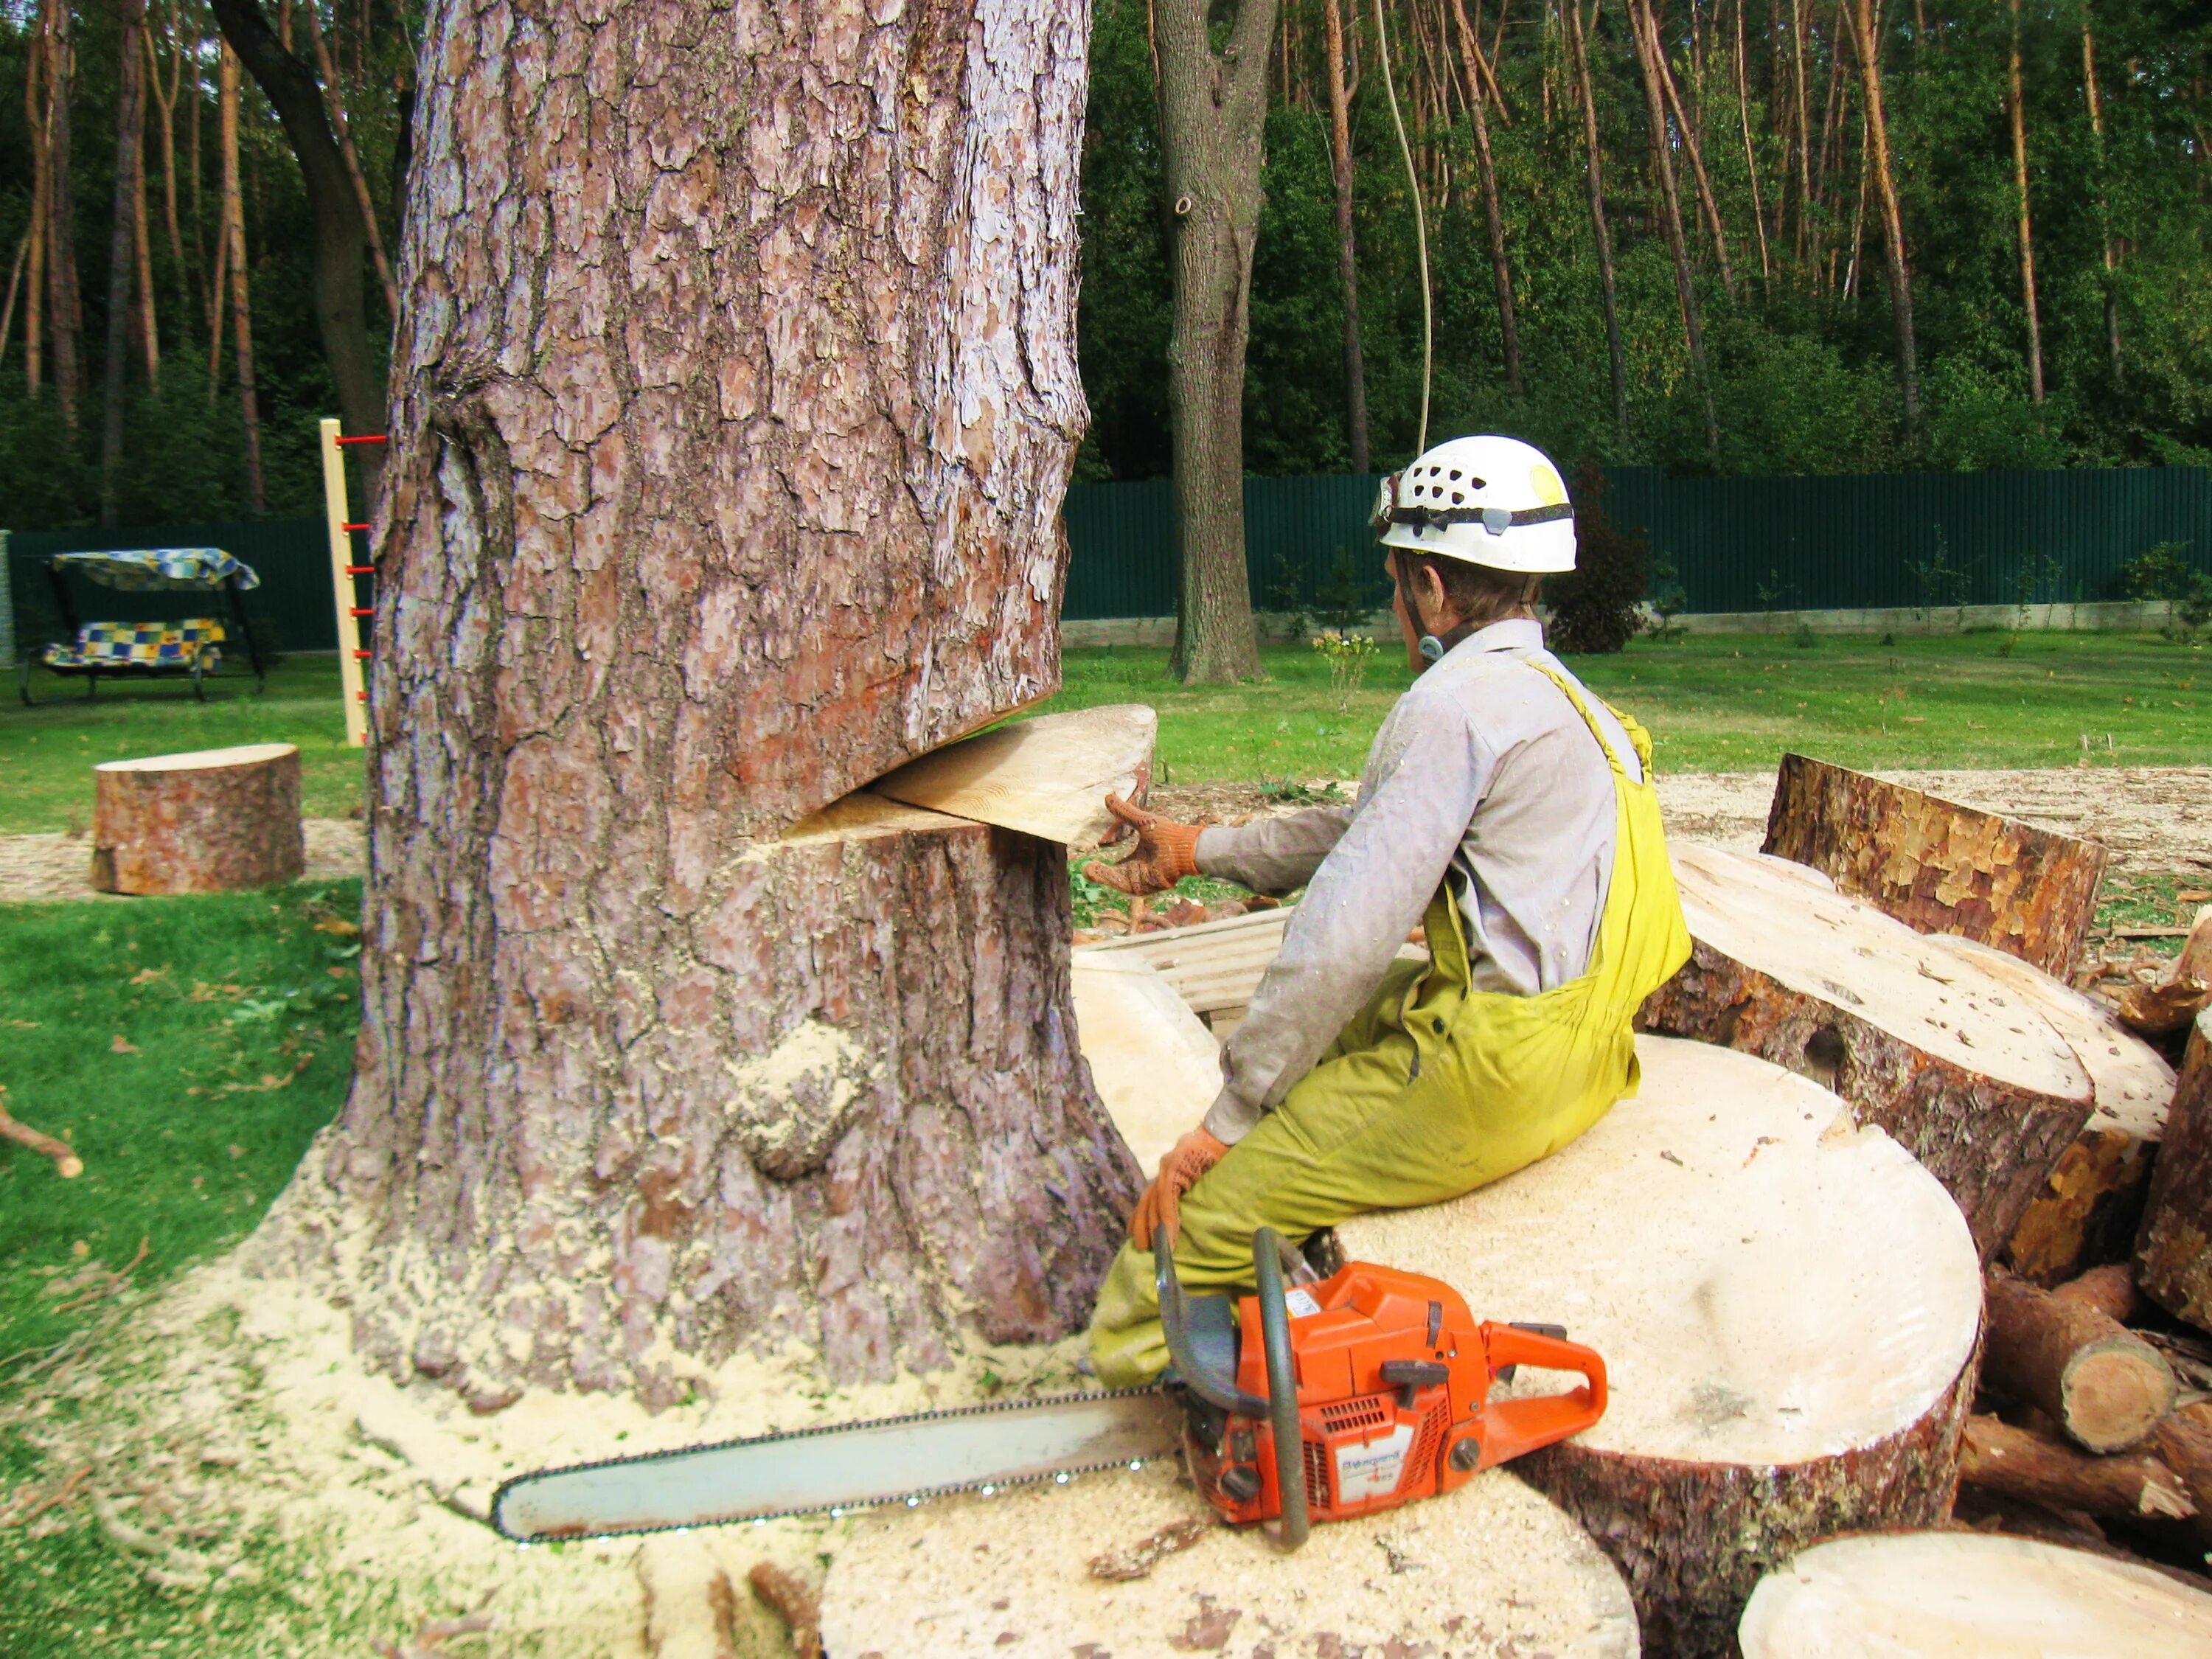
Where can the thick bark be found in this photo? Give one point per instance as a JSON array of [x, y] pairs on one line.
[[1936, 865], [2173, 1251], [725, 475], [340, 231], [1866, 48], [1347, 260], [1662, 168], [2035, 1469], [1214, 112], [1594, 176], [1789, 1315], [1912, 1036], [213, 822], [122, 262], [1493, 215], [2106, 1387], [241, 294], [2016, 110]]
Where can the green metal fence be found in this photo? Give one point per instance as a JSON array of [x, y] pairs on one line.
[[1917, 538]]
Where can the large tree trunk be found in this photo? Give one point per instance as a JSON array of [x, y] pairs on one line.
[[1867, 47], [1347, 252], [1214, 113], [122, 261], [725, 475], [1594, 176], [340, 236]]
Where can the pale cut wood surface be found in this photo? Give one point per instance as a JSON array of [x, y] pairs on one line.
[[1213, 965], [1154, 1062], [1969, 1596], [199, 760], [1490, 1569], [1046, 777]]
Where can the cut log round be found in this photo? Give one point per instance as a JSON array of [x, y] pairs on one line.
[[2173, 1251], [2092, 1201], [212, 822], [1046, 777], [1788, 1307], [1937, 866], [2101, 1383], [1918, 1039], [1013, 1575], [2039, 1469], [1154, 1062], [1967, 1596]]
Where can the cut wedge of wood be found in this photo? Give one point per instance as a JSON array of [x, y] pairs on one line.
[[1046, 777], [1213, 966], [1788, 1306], [1969, 1596], [1491, 1568], [1918, 1040], [1152, 1060], [2093, 1199], [1939, 865]]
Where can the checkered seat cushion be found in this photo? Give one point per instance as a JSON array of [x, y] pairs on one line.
[[142, 645]]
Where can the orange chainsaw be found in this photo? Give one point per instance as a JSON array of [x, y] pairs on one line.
[[1310, 1400]]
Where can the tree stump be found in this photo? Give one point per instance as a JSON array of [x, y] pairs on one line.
[[1946, 1594], [854, 1119], [214, 821], [2092, 1201], [1936, 865], [2173, 1251], [1788, 1307], [1917, 1039], [1041, 1572]]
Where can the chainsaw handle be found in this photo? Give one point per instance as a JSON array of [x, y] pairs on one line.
[[1511, 1427], [1269, 1255]]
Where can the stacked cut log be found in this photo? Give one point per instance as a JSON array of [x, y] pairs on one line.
[[1788, 1307], [1946, 1594], [1938, 867], [2174, 1252], [1913, 1037]]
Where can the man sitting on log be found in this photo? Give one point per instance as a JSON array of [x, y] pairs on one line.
[[1506, 808]]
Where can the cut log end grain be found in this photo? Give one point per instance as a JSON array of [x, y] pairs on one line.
[[2103, 1385], [1046, 777], [2173, 1251], [1788, 1308], [216, 821], [1951, 1594], [2042, 1469], [1937, 866], [1490, 1565], [1917, 1038]]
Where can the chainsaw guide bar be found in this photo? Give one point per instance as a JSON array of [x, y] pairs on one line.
[[841, 1466]]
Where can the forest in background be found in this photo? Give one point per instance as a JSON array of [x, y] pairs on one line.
[[1743, 205]]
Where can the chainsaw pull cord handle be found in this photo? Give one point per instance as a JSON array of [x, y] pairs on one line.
[[1511, 1427], [1269, 1253]]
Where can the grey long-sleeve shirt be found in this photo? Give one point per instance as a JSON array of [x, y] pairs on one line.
[[1483, 770]]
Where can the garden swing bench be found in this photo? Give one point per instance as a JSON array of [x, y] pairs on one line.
[[191, 646]]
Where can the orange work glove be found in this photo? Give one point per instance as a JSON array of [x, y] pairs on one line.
[[1165, 852], [1189, 1158]]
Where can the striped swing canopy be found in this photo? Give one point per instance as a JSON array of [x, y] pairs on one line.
[[148, 570]]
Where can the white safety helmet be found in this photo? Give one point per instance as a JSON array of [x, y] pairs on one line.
[[1490, 501]]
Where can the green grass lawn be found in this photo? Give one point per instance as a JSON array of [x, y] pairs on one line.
[[45, 752]]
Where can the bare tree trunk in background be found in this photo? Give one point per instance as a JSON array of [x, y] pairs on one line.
[[36, 122], [1594, 174], [1687, 128], [676, 551], [2016, 109], [1750, 154], [1868, 49], [2104, 190], [144, 323], [122, 262], [1662, 169], [334, 102], [1804, 239], [211, 297], [1493, 215], [1347, 252], [234, 256], [14, 281], [65, 312], [165, 100], [1214, 113]]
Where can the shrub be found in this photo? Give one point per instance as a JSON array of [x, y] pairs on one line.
[[1598, 606]]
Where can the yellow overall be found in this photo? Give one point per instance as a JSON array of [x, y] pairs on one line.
[[1431, 1091]]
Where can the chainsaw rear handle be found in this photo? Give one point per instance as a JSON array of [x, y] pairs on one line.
[[1511, 1427], [1271, 1258]]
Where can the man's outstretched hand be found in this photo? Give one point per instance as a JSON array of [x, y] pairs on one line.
[[1161, 1205], [1166, 853]]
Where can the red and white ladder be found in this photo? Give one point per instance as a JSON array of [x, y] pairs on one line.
[[344, 573]]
